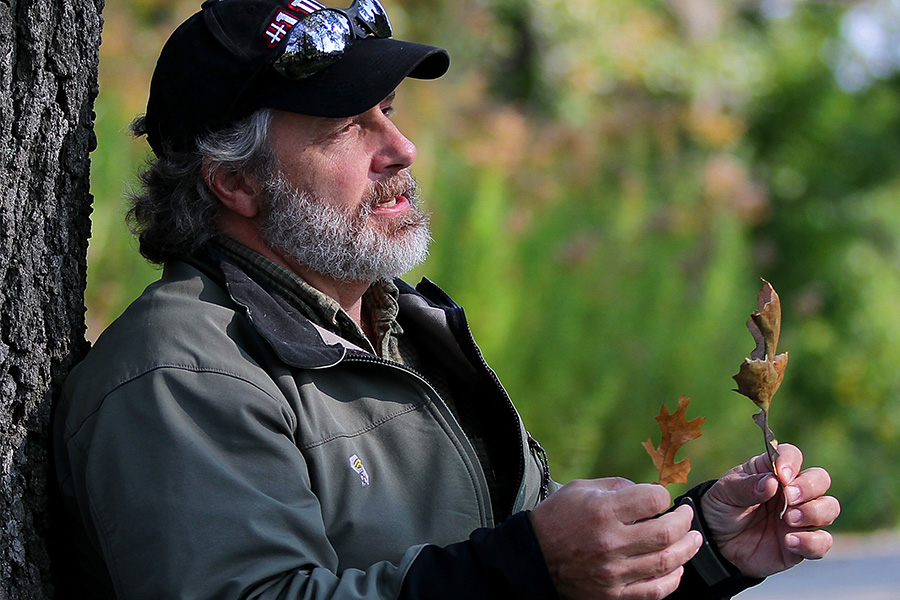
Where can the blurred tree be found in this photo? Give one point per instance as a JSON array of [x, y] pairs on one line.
[[830, 149]]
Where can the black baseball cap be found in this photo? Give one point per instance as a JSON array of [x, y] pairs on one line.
[[217, 68]]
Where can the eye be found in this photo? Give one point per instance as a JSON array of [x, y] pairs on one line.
[[387, 105], [345, 127]]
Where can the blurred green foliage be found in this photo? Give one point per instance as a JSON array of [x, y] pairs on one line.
[[609, 181]]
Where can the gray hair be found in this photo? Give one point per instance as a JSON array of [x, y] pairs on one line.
[[174, 212]]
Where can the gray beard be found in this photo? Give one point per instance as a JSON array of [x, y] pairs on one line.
[[346, 243]]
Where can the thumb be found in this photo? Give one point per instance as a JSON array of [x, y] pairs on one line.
[[745, 491]]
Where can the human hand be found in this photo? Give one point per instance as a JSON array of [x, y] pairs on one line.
[[743, 511], [598, 545]]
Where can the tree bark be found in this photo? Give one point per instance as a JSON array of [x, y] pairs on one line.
[[48, 82]]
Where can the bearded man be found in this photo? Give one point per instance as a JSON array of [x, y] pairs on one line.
[[279, 417]]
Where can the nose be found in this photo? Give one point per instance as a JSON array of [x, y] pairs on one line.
[[395, 151]]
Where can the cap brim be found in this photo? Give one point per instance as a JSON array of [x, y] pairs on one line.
[[367, 73]]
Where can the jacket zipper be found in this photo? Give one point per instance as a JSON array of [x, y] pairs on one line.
[[460, 327]]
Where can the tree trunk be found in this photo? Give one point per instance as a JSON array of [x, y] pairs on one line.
[[48, 82]]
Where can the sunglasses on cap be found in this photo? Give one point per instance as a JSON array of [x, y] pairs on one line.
[[320, 38]]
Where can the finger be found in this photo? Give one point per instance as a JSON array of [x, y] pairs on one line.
[[662, 562], [655, 588], [743, 490], [809, 544], [808, 485], [640, 501], [789, 463], [820, 512], [655, 534]]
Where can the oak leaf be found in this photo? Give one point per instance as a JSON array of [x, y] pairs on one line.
[[676, 432], [761, 374]]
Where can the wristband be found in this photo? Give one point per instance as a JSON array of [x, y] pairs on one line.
[[722, 578], [706, 562]]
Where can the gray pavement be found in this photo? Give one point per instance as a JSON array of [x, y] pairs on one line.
[[857, 568]]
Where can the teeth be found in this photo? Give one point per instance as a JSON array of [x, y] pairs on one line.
[[389, 203]]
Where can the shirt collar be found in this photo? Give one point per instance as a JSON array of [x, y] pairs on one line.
[[380, 301]]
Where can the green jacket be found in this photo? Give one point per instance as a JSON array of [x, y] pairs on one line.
[[216, 444]]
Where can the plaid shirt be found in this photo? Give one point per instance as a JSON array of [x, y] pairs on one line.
[[379, 302]]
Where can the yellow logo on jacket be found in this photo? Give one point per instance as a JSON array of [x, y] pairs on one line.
[[357, 465]]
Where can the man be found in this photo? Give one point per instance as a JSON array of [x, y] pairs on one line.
[[278, 417]]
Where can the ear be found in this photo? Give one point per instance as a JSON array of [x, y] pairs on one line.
[[238, 192]]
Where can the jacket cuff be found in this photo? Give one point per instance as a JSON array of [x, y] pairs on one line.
[[709, 568], [503, 562]]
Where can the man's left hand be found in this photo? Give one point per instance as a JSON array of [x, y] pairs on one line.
[[743, 511]]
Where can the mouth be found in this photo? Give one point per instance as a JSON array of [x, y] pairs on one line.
[[395, 196], [393, 204]]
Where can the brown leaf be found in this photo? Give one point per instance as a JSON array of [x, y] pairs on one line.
[[760, 379], [676, 432], [767, 320], [760, 375]]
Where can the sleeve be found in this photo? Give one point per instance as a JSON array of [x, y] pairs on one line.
[[709, 575], [503, 562], [507, 562], [192, 487]]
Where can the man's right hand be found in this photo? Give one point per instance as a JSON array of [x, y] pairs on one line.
[[598, 545]]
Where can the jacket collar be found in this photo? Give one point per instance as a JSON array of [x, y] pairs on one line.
[[302, 344], [296, 340]]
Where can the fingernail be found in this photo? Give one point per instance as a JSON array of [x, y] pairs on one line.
[[792, 492], [793, 516], [761, 484], [786, 474], [792, 542]]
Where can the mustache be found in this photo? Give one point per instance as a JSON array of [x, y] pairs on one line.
[[401, 184]]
